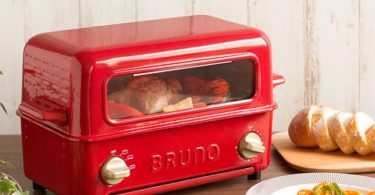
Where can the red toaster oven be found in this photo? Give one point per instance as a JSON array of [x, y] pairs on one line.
[[146, 107]]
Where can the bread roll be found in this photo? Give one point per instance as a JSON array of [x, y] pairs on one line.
[[370, 135], [320, 130], [357, 133], [300, 128], [330, 129], [338, 125]]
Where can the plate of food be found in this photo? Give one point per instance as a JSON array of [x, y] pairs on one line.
[[315, 184]]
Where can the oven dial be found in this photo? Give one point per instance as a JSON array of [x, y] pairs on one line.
[[250, 145], [114, 170]]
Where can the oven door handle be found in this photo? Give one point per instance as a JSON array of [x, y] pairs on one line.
[[43, 111], [277, 79]]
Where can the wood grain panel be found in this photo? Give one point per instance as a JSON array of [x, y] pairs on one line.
[[235, 11], [367, 57], [283, 22], [45, 15], [319, 160], [331, 51], [97, 12], [147, 10], [12, 40], [311, 56]]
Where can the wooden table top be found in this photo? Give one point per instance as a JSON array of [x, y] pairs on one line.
[[11, 151]]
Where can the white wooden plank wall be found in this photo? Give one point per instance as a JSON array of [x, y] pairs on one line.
[[98, 12], [12, 32], [325, 49], [282, 21], [367, 56], [335, 35], [235, 11], [148, 10]]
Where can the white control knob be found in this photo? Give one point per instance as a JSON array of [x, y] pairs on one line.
[[114, 170], [250, 145]]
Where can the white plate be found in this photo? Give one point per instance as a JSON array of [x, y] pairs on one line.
[[291, 184]]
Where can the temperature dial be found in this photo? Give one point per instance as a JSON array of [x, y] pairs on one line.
[[114, 170], [250, 145]]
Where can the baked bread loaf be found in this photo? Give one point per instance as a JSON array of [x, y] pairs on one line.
[[338, 126], [330, 129], [370, 135], [300, 128], [357, 133], [320, 130]]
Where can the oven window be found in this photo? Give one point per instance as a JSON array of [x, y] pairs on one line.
[[169, 91]]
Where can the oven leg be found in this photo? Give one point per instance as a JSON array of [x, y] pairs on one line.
[[254, 176], [38, 187]]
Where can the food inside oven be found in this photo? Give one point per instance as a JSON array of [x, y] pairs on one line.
[[173, 90]]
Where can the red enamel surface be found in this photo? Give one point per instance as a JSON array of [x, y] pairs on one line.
[[70, 70]]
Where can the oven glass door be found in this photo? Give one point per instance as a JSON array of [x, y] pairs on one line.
[[168, 91]]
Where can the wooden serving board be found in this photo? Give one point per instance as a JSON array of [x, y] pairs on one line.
[[316, 160]]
